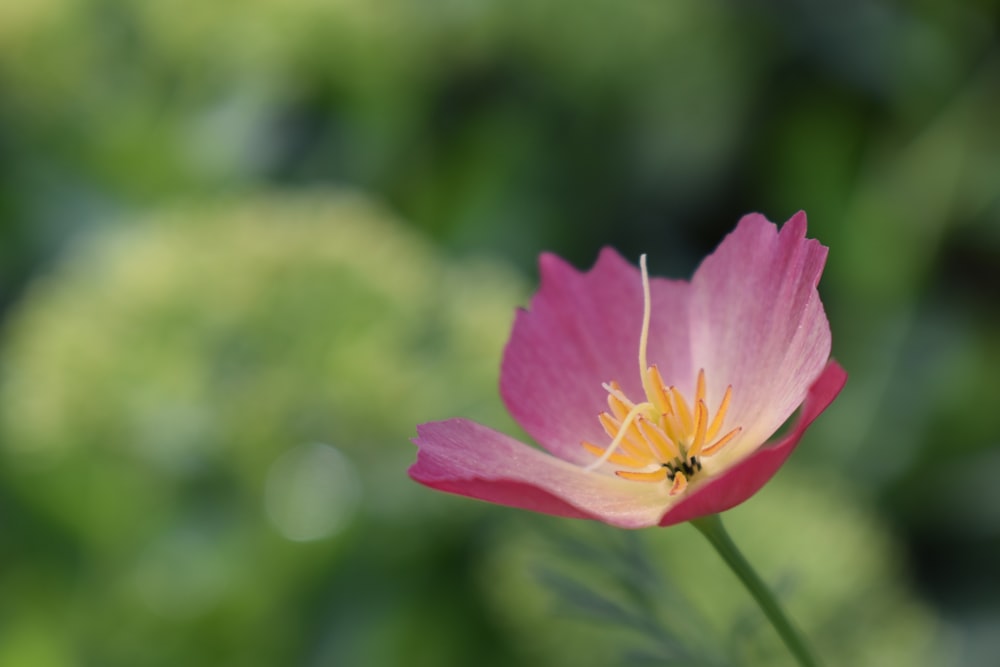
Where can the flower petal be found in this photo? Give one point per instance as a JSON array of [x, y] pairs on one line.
[[757, 323], [463, 457], [581, 330], [748, 476]]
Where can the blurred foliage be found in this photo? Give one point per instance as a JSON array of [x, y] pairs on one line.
[[834, 564], [172, 386], [189, 336]]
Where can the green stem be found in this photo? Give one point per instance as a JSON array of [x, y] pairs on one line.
[[711, 527]]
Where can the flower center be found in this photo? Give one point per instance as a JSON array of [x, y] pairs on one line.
[[663, 437]]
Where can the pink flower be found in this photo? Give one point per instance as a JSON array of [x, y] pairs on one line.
[[654, 398]]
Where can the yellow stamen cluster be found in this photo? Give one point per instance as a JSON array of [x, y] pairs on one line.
[[662, 438]]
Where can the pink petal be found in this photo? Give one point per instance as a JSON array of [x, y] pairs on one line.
[[460, 456], [748, 476], [581, 330], [757, 323]]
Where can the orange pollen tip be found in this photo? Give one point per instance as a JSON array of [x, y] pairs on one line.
[[680, 483], [656, 476]]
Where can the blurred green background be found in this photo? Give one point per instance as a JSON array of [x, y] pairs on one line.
[[246, 246]]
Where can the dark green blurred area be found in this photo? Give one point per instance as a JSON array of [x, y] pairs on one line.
[[246, 246]]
